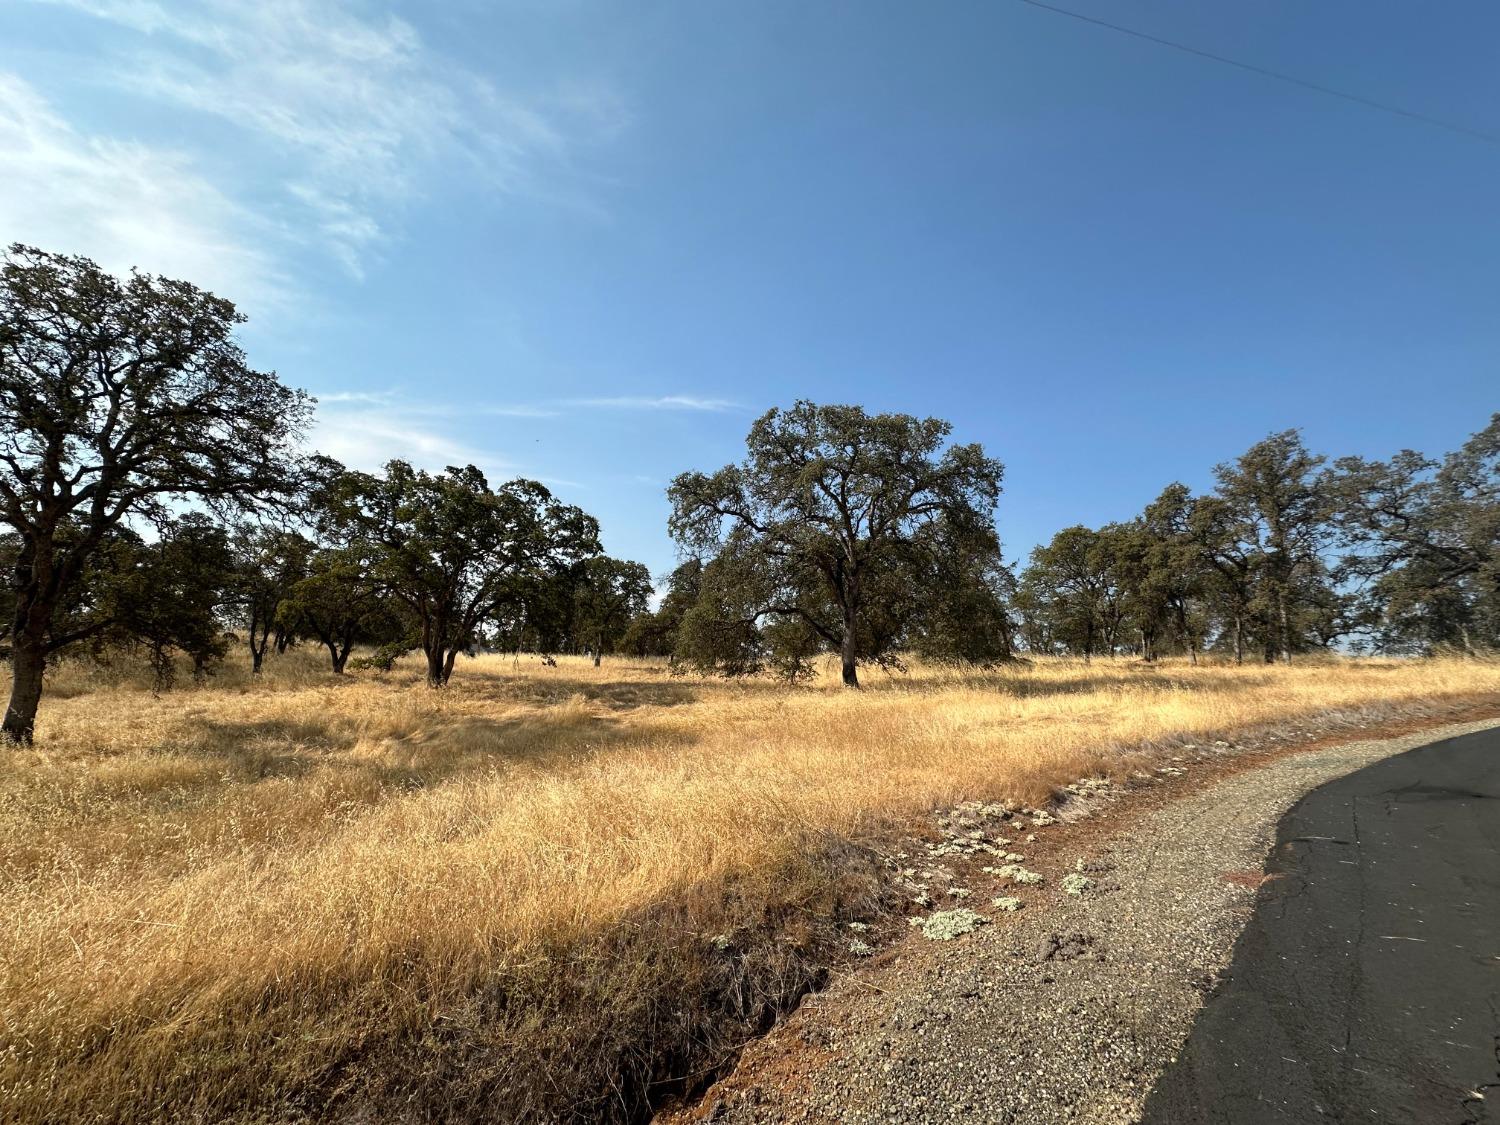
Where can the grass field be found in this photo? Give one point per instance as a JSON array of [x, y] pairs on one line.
[[539, 894]]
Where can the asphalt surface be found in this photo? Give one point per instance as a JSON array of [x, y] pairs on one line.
[[1366, 987]]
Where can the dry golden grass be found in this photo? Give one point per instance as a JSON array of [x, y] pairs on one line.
[[305, 896]]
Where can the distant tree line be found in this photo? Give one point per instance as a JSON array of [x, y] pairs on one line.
[[155, 503], [1286, 555]]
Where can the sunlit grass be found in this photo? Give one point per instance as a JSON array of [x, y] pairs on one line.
[[234, 899]]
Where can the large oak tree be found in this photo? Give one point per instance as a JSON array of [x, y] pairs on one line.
[[1425, 535], [454, 552], [831, 515], [117, 396]]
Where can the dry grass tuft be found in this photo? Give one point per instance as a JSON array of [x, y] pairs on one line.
[[540, 894]]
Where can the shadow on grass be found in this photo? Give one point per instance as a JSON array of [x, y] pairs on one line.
[[548, 690], [447, 748], [550, 687], [1084, 683]]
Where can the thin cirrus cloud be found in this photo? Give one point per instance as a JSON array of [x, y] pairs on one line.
[[365, 429], [124, 203], [662, 402], [561, 407], [344, 115]]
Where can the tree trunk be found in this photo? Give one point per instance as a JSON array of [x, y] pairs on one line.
[[448, 664], [847, 653], [1187, 634], [435, 677], [1285, 620], [257, 647], [598, 649], [1239, 638], [28, 660], [337, 656]]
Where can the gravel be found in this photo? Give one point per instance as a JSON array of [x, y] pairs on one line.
[[1066, 1011]]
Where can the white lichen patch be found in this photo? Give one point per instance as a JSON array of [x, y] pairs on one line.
[[946, 925], [969, 828], [960, 892], [1019, 875], [861, 948], [858, 927], [1008, 903], [1087, 786], [1040, 818], [1075, 884]]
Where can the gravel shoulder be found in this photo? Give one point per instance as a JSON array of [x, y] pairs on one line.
[[1068, 1008]]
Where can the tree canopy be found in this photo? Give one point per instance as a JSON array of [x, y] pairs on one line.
[[452, 551], [117, 397], [831, 507]]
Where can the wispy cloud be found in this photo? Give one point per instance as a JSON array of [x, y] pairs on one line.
[[124, 203], [398, 400], [661, 402], [518, 411], [348, 111], [372, 398], [365, 434], [365, 429]]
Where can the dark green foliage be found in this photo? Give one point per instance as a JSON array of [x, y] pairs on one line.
[[656, 634], [172, 599], [454, 553], [1078, 577], [1424, 540], [1278, 508], [830, 521], [964, 615], [1284, 557], [339, 603], [608, 594], [269, 563], [1242, 566]]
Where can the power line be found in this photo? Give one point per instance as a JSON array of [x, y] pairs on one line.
[[1384, 107]]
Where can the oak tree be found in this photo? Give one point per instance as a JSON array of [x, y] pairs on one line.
[[828, 505], [608, 594], [117, 397], [453, 552]]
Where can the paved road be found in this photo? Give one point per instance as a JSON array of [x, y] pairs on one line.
[[1366, 988]]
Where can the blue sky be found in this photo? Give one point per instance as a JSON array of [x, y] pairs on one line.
[[590, 242]]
